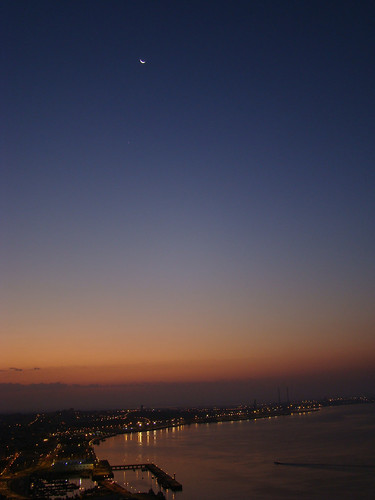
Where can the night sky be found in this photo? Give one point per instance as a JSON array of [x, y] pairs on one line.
[[203, 219]]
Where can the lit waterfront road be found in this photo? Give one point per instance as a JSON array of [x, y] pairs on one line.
[[11, 461]]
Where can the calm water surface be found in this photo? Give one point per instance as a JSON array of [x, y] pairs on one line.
[[332, 452]]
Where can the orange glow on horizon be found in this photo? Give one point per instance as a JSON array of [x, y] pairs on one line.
[[224, 346], [188, 371]]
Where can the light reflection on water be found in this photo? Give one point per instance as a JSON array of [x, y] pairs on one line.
[[236, 460]]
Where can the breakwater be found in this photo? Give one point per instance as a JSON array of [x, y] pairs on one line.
[[164, 479]]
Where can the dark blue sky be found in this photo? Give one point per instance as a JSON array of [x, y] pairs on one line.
[[220, 194]]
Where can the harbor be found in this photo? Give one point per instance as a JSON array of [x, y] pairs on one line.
[[163, 479]]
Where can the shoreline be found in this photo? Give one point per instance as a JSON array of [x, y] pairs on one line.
[[247, 418], [269, 413]]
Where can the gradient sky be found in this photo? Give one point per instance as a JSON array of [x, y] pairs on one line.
[[205, 216]]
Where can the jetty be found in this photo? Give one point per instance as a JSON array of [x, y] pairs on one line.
[[164, 479]]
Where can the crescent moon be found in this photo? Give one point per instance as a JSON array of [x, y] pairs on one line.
[[142, 62]]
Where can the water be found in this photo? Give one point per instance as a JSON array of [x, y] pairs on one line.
[[332, 452], [60, 488]]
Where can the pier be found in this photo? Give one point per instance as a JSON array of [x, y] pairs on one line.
[[130, 467], [164, 479]]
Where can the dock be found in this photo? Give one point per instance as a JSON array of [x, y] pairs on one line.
[[164, 479], [143, 467]]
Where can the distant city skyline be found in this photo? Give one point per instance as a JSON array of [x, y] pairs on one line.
[[204, 218]]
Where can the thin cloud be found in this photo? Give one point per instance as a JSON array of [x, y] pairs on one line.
[[15, 369]]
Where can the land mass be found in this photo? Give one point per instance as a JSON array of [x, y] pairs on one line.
[[42, 452]]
